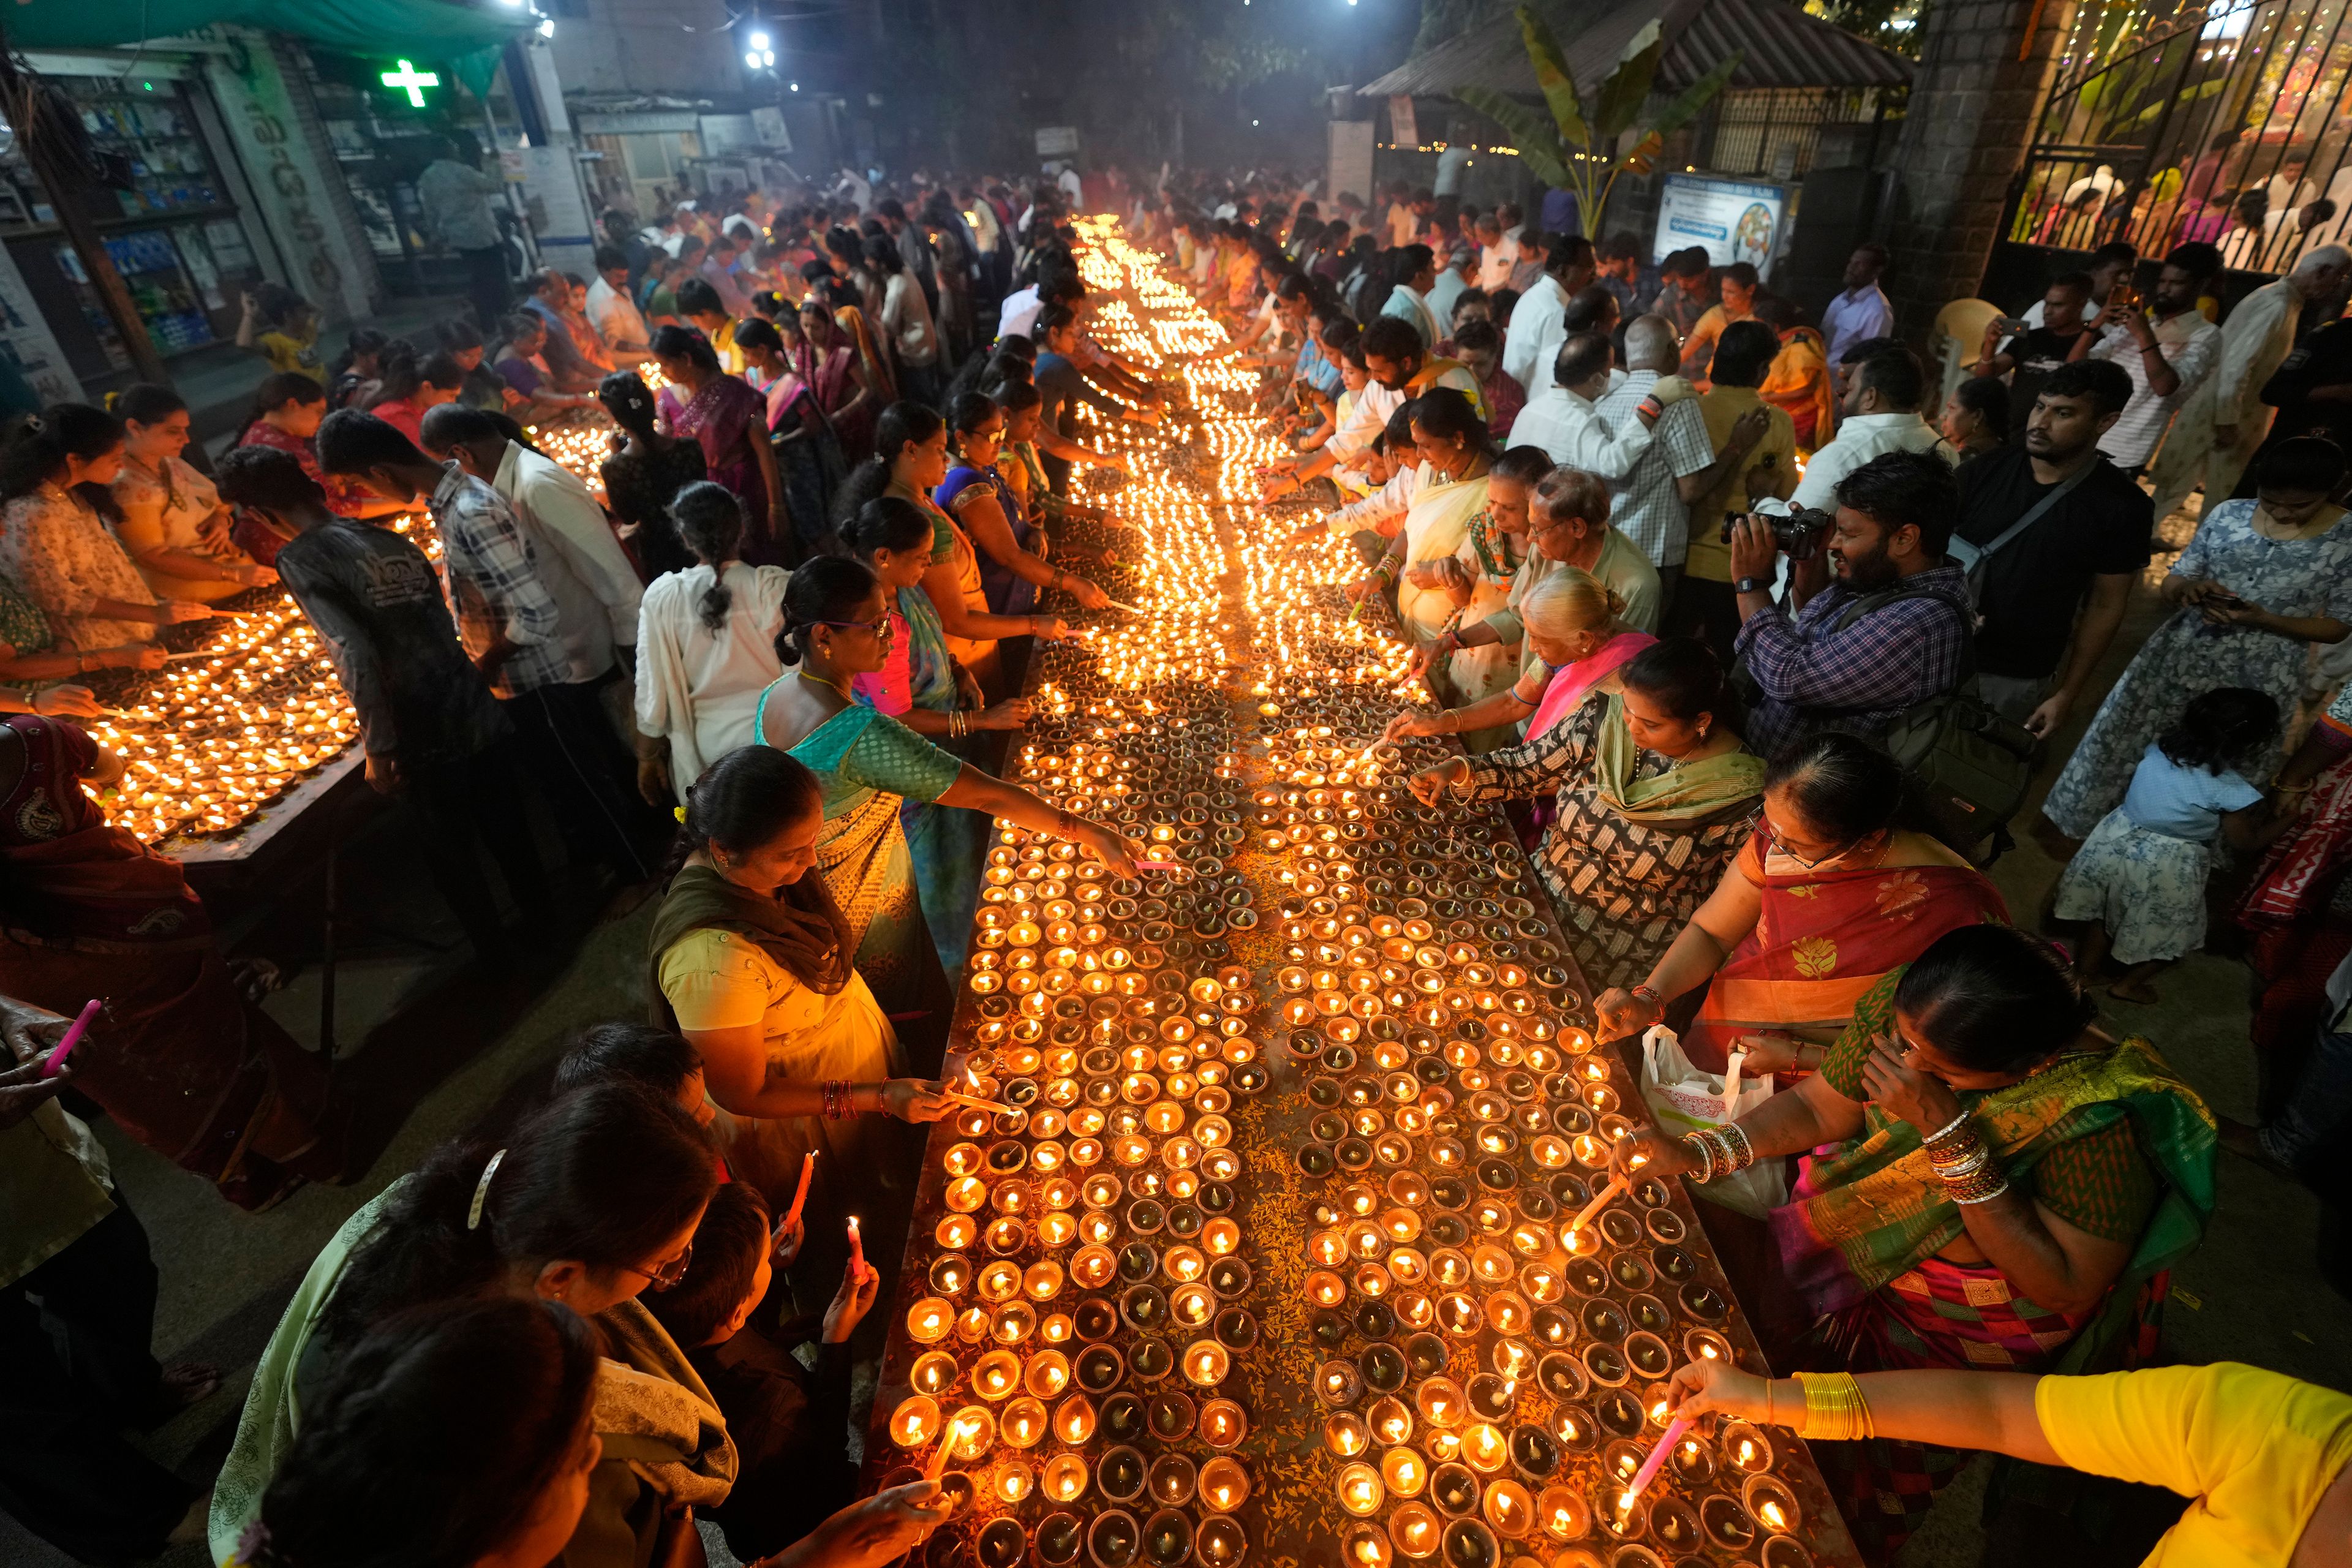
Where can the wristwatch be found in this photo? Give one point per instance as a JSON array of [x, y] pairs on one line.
[[1753, 586]]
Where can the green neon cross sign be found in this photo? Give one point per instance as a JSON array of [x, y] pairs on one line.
[[409, 78]]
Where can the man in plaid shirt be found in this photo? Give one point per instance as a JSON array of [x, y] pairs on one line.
[[508, 621], [1828, 668], [1651, 505]]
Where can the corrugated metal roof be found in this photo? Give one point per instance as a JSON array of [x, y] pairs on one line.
[[1780, 46]]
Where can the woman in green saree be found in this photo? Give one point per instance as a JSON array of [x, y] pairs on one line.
[[923, 686], [2009, 1188], [837, 626]]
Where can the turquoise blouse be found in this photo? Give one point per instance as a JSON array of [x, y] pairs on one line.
[[860, 752]]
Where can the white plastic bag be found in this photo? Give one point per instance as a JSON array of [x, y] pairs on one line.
[[1684, 1099]]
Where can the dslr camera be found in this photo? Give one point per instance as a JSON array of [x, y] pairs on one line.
[[1798, 531]]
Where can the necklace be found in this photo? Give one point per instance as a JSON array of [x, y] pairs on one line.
[[829, 686]]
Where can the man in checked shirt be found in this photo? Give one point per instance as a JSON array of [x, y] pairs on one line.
[[1883, 621], [508, 621]]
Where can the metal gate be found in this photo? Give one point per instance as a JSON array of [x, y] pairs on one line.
[[2224, 123]]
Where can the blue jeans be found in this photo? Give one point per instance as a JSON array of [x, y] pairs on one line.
[[2319, 1107]]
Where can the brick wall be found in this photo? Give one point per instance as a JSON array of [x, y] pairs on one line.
[[1972, 111]]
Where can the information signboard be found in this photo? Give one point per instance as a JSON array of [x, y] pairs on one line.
[[1731, 220]]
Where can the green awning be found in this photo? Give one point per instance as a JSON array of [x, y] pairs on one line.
[[432, 28]]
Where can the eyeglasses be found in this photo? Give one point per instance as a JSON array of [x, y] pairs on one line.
[[1779, 846], [878, 627], [666, 1274]]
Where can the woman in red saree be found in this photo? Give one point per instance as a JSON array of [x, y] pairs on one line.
[[825, 361], [728, 421], [1827, 898], [178, 1058], [1995, 1183]]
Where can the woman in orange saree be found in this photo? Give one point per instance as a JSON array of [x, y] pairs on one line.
[[1828, 897], [181, 1060]]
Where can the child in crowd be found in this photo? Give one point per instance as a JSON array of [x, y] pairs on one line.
[[2140, 877], [789, 1423], [283, 328]]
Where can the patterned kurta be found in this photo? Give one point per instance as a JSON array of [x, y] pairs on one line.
[[1624, 889]]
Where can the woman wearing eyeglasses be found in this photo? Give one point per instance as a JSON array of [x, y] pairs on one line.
[[837, 628], [1830, 894], [2009, 1187], [591, 1201]]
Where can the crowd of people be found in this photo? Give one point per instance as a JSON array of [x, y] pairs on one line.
[[1757, 647]]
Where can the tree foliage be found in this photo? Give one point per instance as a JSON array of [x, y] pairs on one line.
[[1580, 147]]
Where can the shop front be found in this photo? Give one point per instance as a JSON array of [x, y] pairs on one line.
[[2226, 122], [174, 218]]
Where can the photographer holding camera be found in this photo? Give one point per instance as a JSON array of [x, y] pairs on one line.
[[1884, 620]]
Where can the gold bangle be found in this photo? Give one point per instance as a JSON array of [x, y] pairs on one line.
[[1835, 1410]]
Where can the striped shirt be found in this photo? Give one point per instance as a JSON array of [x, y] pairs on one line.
[[1646, 508]]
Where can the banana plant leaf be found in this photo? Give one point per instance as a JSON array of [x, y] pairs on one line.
[[1540, 145], [1552, 76], [1628, 86]]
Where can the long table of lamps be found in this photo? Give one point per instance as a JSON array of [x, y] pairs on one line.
[[1277, 1227], [248, 725]]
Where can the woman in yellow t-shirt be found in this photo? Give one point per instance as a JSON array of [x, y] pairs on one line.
[[750, 961], [2261, 1456]]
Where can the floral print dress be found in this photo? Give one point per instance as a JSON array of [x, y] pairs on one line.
[[2186, 658]]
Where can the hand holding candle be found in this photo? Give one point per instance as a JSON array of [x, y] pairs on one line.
[[54, 1062]]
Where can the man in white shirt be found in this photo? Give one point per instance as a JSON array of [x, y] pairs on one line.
[[2168, 349], [743, 222], [1072, 189], [2109, 264], [1562, 420], [1497, 253], [2216, 430], [1533, 339], [1861, 311], [1882, 415], [614, 314]]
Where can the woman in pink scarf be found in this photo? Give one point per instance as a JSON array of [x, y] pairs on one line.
[[1573, 632]]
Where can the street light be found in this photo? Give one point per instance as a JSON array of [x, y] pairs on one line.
[[760, 41]]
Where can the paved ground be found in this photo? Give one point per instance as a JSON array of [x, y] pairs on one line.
[[444, 1053]]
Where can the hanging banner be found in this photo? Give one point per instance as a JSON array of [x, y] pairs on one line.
[[553, 201], [1402, 121], [1350, 165]]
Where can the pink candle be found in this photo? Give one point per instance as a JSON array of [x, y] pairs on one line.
[[54, 1063], [857, 1249], [1642, 1478]]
